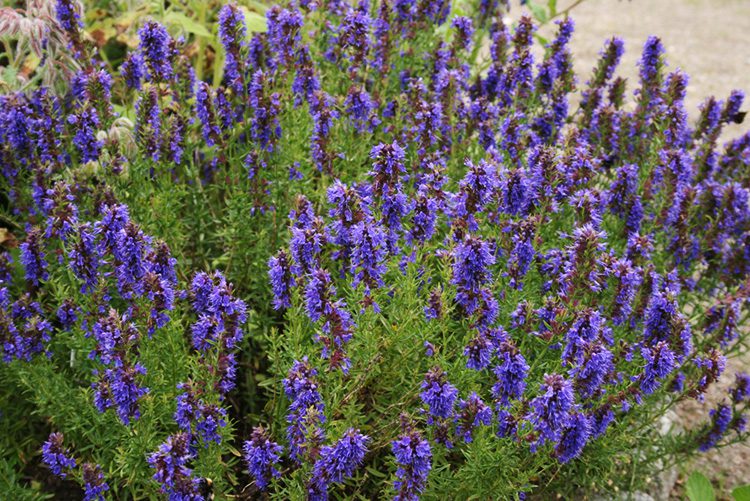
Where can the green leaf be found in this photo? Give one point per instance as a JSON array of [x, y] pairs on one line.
[[552, 7], [699, 488], [259, 6], [539, 13], [190, 25], [9, 75], [375, 472], [255, 22], [741, 493], [542, 41]]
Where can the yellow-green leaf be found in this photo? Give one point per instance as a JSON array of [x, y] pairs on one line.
[[255, 5], [255, 22], [188, 24], [699, 488]]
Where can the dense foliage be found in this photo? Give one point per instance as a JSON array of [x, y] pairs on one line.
[[386, 252]]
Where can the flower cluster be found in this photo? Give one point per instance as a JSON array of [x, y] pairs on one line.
[[261, 456], [217, 333], [93, 483], [305, 415], [117, 340], [197, 417], [171, 468], [337, 462], [60, 461], [414, 458], [57, 458]]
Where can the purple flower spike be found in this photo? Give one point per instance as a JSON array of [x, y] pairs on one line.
[[94, 484], [337, 462], [551, 411], [573, 438], [156, 48], [262, 455], [414, 458], [56, 457]]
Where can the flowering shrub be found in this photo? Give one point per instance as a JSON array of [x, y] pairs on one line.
[[493, 279]]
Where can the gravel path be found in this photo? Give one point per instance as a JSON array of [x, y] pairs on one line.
[[710, 41], [707, 39]]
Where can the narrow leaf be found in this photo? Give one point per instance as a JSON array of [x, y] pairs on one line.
[[552, 7]]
